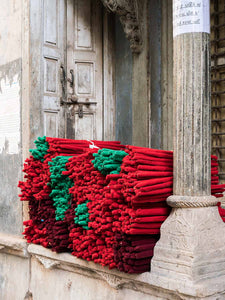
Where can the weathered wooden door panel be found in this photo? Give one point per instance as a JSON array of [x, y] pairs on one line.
[[53, 58], [84, 60]]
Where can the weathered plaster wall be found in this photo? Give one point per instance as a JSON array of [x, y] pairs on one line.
[[10, 115], [14, 273], [68, 285]]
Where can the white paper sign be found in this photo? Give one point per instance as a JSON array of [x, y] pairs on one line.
[[190, 16]]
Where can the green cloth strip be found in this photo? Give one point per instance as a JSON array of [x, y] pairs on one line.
[[42, 148], [82, 215], [60, 185], [108, 161]]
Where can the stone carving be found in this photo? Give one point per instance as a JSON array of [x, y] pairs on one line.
[[114, 281], [130, 19], [46, 262]]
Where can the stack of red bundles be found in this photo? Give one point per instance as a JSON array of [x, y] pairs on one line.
[[69, 147], [87, 191], [96, 239], [35, 191], [80, 151], [42, 228], [133, 252], [147, 181], [102, 218], [81, 154], [216, 188]]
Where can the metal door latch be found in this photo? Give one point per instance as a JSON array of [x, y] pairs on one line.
[[72, 99], [80, 111]]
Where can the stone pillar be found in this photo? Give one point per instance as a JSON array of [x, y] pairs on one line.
[[190, 255]]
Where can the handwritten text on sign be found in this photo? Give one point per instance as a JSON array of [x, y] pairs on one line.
[[190, 16]]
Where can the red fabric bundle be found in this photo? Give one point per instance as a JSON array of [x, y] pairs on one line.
[[125, 210], [42, 227], [133, 253], [75, 147], [91, 185], [41, 210]]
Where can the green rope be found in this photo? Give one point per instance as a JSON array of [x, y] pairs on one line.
[[42, 148], [108, 161], [60, 185], [82, 215]]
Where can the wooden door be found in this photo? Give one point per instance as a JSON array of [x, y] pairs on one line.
[[67, 70], [84, 70]]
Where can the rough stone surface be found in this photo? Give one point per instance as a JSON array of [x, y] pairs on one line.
[[192, 130], [190, 256]]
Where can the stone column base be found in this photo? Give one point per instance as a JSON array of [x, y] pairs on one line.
[[190, 255]]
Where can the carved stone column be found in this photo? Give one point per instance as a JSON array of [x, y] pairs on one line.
[[190, 255]]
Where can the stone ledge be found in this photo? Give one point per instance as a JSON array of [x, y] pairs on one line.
[[148, 283], [68, 262], [159, 287], [13, 245], [115, 279]]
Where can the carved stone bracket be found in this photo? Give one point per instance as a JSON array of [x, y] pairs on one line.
[[114, 281], [130, 19], [46, 262]]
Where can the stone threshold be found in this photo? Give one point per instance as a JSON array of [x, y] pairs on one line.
[[159, 287]]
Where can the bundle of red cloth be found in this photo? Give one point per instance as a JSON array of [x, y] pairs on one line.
[[146, 181], [113, 220], [133, 253], [70, 147], [42, 228], [92, 243]]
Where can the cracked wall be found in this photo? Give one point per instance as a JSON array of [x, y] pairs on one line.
[[10, 116]]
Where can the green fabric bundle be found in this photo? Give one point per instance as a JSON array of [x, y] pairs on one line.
[[42, 148], [82, 215], [108, 161], [60, 185]]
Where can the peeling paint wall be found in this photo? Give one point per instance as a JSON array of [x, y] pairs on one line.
[[10, 116]]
